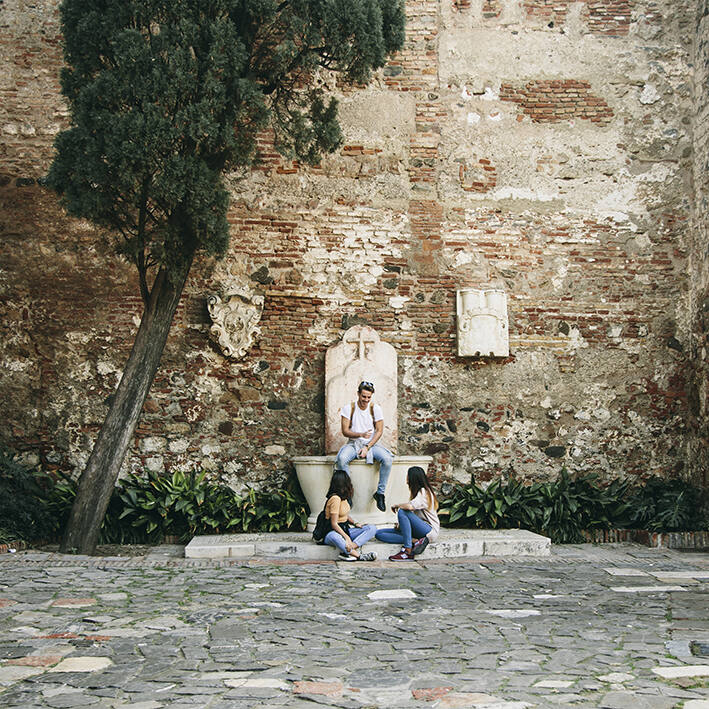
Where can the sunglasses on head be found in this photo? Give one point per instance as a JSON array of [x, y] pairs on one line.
[[366, 385]]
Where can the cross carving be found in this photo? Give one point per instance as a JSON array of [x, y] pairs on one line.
[[361, 339]]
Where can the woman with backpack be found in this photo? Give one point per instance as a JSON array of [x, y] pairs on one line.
[[344, 533], [418, 518]]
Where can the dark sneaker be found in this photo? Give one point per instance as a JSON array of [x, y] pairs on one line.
[[401, 556], [368, 556], [381, 504], [420, 545], [347, 557]]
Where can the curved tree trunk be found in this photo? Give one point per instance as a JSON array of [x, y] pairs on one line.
[[99, 477]]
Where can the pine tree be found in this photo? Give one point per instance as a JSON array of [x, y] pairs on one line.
[[165, 97]]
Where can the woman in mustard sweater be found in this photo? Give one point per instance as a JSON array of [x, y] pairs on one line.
[[346, 535]]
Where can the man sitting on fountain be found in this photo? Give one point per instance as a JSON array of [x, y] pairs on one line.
[[363, 424]]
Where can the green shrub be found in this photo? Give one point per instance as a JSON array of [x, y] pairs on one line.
[[143, 509], [563, 508], [666, 505], [185, 504], [24, 504]]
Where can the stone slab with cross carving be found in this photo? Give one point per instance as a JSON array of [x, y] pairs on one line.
[[360, 356]]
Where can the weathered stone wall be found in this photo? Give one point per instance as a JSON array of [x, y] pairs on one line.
[[540, 146], [698, 439]]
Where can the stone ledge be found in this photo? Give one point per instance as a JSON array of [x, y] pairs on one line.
[[451, 543]]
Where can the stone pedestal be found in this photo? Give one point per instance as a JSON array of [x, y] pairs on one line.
[[314, 473]]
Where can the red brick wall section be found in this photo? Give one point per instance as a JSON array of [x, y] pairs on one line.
[[548, 101], [32, 110], [611, 18], [479, 176], [605, 17], [414, 67], [491, 9]]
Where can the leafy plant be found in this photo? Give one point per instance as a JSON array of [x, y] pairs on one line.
[[666, 505], [563, 508], [188, 503], [24, 504]]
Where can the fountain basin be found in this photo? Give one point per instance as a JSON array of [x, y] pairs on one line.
[[314, 473]]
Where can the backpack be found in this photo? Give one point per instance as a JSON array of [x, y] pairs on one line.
[[322, 527]]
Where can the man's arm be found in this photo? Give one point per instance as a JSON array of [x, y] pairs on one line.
[[378, 430]]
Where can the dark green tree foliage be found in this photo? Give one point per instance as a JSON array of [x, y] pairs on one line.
[[165, 97]]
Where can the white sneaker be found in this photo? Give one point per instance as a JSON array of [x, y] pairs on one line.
[[368, 556], [344, 556]]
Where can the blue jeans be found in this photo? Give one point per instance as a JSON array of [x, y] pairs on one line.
[[410, 526], [359, 535], [349, 451]]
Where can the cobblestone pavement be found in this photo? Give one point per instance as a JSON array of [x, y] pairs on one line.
[[591, 626]]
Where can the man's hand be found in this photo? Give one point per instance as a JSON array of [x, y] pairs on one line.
[[363, 452], [349, 545]]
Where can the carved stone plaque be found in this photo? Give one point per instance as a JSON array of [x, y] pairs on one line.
[[235, 321], [483, 329]]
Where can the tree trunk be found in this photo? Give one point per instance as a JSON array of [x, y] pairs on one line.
[[99, 477]]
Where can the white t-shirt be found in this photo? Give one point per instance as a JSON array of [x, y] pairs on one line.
[[362, 420]]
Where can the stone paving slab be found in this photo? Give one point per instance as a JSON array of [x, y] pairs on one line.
[[506, 632], [451, 543]]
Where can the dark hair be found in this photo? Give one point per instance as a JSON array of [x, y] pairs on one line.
[[417, 480], [341, 485], [367, 386]]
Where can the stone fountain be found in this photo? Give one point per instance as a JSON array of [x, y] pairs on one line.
[[359, 356]]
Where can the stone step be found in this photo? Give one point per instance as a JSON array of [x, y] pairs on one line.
[[451, 543]]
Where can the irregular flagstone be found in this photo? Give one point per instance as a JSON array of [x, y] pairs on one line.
[[430, 694], [681, 574], [223, 675], [10, 675], [82, 664], [626, 572], [632, 700], [6, 602], [477, 699], [113, 596], [73, 602], [328, 689], [616, 677], [671, 578], [258, 683], [647, 589], [553, 684], [514, 612], [36, 660], [391, 594], [696, 704], [682, 671], [72, 699]]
